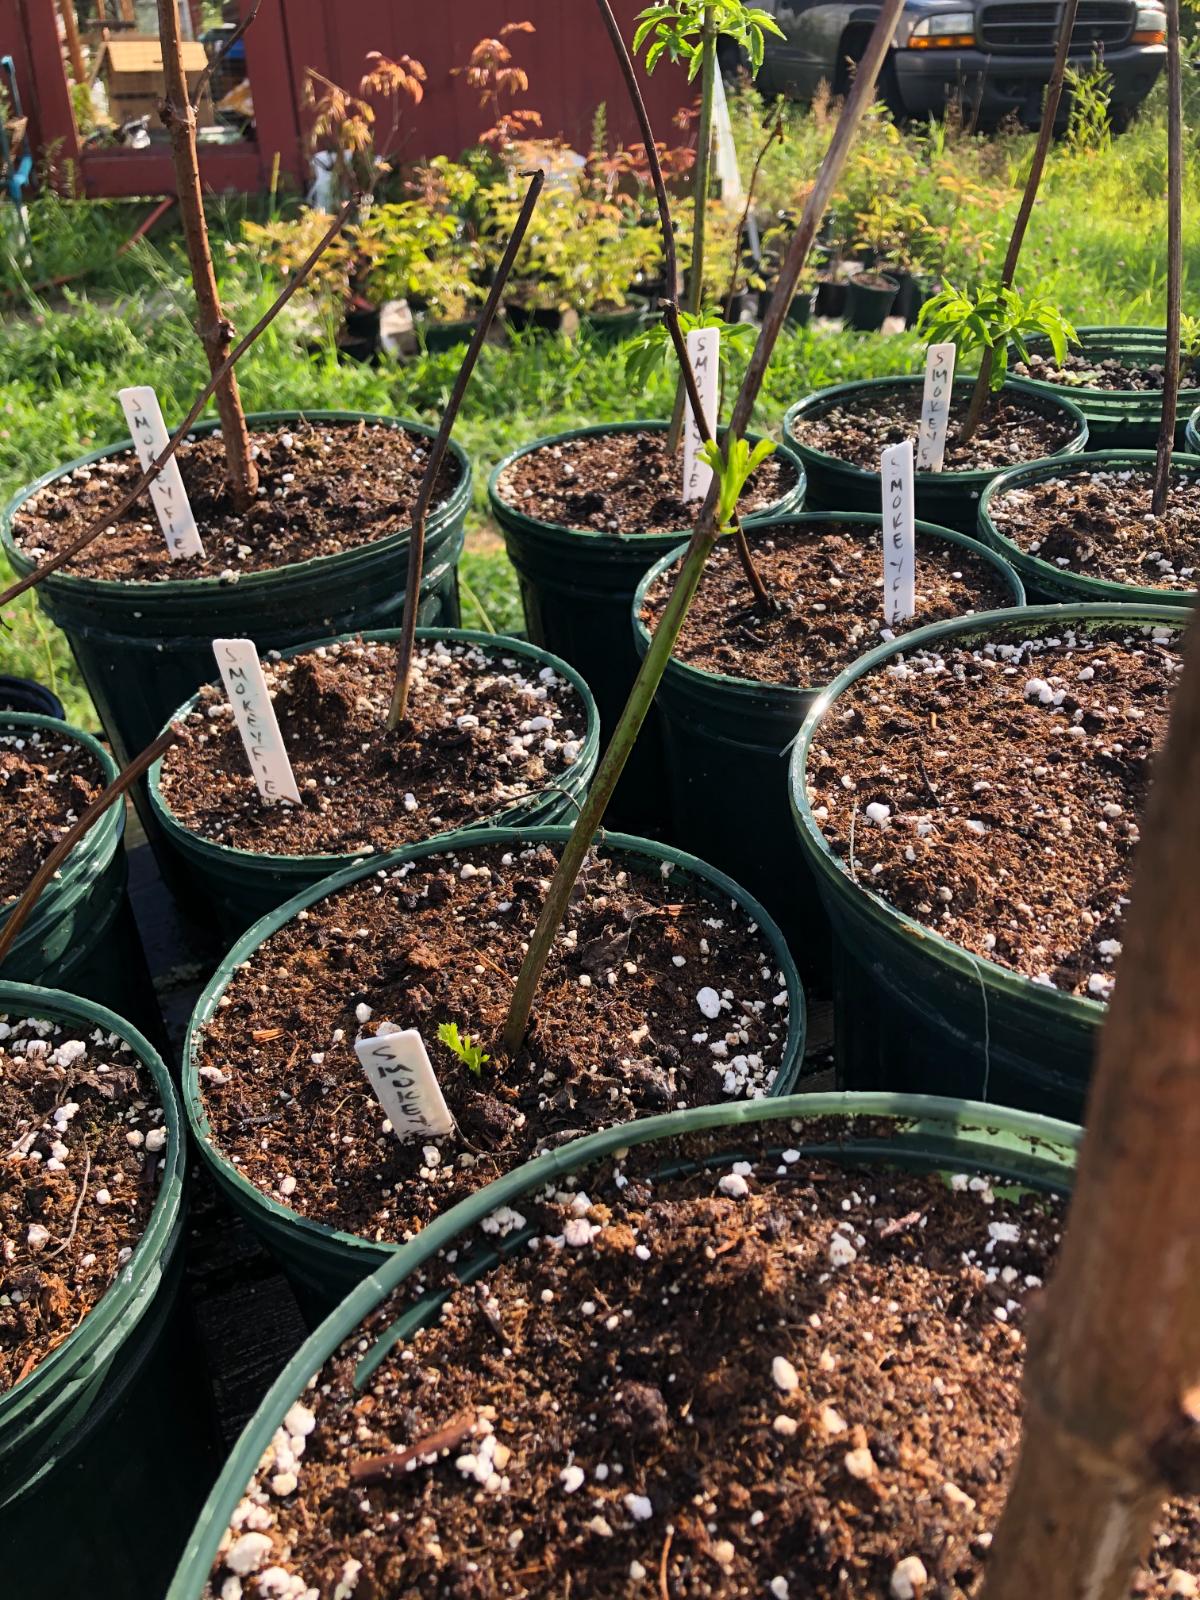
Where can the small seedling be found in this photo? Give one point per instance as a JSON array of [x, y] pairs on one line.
[[652, 348], [464, 1047], [731, 470]]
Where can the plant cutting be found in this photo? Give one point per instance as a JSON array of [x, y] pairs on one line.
[[975, 862], [739, 683]]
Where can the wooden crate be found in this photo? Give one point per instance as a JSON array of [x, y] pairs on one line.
[[131, 69]]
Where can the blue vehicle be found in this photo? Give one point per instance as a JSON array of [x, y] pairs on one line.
[[994, 57]]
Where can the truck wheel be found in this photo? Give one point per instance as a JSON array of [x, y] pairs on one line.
[[851, 49]]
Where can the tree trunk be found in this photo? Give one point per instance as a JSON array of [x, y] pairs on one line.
[[1166, 432], [214, 328], [1112, 1423]]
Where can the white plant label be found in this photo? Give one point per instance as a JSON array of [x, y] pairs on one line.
[[704, 352], [250, 698], [398, 1068], [935, 407], [728, 172], [167, 494], [899, 534]]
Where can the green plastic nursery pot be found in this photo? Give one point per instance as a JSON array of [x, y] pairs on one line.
[[81, 935], [610, 327], [1192, 433], [437, 336], [915, 1132], [1117, 419], [324, 1263], [85, 1502], [142, 648], [1058, 585], [576, 589], [243, 885], [726, 741], [914, 1012], [948, 499]]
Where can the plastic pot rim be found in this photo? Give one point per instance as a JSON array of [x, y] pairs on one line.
[[975, 478], [1101, 590], [1100, 332], [788, 694], [231, 855], [829, 867], [1048, 1161], [1192, 431], [144, 590], [785, 447], [111, 826], [35, 1000], [556, 834]]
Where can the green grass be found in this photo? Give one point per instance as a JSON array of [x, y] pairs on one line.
[[1096, 244]]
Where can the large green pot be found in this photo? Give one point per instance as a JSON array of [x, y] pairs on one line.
[[142, 648], [325, 1263], [86, 1506], [915, 1132], [576, 589], [1117, 419], [912, 1010], [81, 935], [1058, 585], [949, 499], [243, 885], [726, 741]]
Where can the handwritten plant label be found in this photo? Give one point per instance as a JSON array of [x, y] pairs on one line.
[[255, 716], [704, 352], [167, 494], [899, 534], [935, 407], [398, 1068]]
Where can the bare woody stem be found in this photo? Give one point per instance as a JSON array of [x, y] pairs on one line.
[[129, 775], [206, 77], [1037, 166], [701, 183], [1166, 432], [215, 329], [416, 542], [654, 663], [1112, 1416], [102, 524]]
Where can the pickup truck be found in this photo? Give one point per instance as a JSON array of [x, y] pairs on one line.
[[994, 56]]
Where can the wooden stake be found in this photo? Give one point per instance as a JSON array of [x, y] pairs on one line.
[[1170, 407], [74, 47], [215, 329]]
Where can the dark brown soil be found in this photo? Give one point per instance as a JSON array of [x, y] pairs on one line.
[[619, 1031], [828, 581], [1099, 523], [82, 1129], [46, 781], [1012, 776], [1014, 428], [622, 483], [485, 730], [1081, 371], [323, 488], [807, 1420], [874, 280]]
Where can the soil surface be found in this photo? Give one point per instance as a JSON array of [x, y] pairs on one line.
[[828, 580], [829, 1407], [46, 781], [1099, 523], [623, 483], [622, 1027], [82, 1130], [993, 792], [1014, 428], [1078, 370], [323, 488], [486, 729]]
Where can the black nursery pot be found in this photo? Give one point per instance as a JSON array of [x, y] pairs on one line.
[[830, 298], [870, 297], [533, 319], [23, 694]]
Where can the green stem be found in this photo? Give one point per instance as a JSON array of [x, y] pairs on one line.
[[701, 183]]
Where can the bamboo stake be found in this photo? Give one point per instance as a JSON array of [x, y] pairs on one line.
[[704, 536], [1166, 432], [416, 543], [1041, 150], [1112, 1408], [214, 327]]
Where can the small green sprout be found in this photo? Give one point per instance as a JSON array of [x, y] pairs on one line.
[[731, 471], [1189, 336], [464, 1047], [678, 29], [652, 348], [993, 319]]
